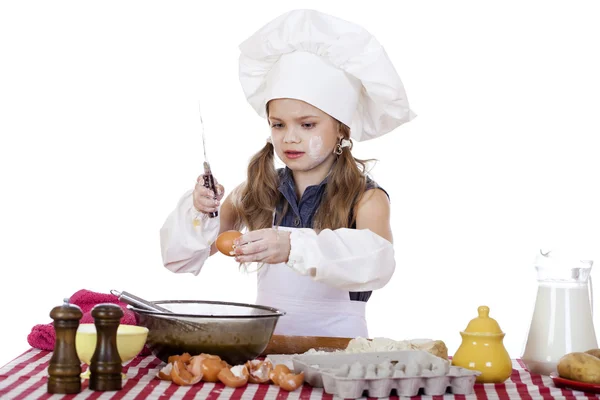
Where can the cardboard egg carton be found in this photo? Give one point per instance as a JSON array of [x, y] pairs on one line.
[[407, 372]]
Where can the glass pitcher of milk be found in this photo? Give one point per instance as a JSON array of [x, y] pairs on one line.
[[562, 317]]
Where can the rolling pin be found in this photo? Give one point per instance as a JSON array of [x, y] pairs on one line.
[[281, 344]]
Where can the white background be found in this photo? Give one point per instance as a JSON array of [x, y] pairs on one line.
[[101, 136]]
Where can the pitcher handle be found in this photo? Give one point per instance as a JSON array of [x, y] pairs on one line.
[[591, 291]]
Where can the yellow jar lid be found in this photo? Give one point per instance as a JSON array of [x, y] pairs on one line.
[[483, 323]]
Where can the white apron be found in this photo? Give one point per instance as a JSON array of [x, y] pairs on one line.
[[312, 308]]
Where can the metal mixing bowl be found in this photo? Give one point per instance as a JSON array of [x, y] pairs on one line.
[[236, 332]]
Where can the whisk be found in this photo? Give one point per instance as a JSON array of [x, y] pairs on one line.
[[138, 302]]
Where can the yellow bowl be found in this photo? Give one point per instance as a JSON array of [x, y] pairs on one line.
[[130, 341]]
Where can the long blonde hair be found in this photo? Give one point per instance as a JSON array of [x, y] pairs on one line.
[[259, 196]]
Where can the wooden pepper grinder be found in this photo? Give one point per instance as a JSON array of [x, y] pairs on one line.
[[105, 365], [64, 368]]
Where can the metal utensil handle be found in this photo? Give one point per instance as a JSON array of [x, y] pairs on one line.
[[209, 182], [141, 303], [138, 302]]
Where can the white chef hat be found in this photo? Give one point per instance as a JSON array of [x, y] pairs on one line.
[[330, 63]]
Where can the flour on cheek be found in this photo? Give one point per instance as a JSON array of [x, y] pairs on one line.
[[315, 149]]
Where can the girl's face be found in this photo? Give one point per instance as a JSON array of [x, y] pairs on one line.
[[303, 136]]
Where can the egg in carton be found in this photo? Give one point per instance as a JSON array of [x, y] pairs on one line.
[[350, 375]]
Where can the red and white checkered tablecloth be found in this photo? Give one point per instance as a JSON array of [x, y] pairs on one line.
[[26, 377]]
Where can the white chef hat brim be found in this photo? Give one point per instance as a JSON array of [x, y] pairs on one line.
[[331, 64]]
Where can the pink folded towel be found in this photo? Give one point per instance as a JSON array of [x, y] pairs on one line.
[[42, 336]]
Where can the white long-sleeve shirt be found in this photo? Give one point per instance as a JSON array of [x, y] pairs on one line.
[[347, 259]]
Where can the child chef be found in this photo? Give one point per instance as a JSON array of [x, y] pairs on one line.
[[320, 226]]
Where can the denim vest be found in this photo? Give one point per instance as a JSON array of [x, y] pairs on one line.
[[300, 214]]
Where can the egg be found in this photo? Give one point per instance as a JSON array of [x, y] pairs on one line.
[[291, 381], [181, 376], [225, 240], [235, 377], [259, 371], [278, 373], [211, 368]]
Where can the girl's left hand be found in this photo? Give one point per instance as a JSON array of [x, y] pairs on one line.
[[269, 246]]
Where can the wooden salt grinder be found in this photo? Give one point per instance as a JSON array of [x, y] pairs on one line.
[[64, 368], [105, 365]]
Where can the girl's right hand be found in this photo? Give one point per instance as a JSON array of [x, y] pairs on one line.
[[205, 201]]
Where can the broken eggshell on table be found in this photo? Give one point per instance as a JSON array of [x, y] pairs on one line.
[[187, 370]]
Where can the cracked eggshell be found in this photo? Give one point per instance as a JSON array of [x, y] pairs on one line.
[[225, 240]]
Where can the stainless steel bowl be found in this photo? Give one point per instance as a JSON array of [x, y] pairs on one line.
[[236, 332]]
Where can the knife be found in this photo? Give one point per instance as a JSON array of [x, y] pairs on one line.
[[209, 180]]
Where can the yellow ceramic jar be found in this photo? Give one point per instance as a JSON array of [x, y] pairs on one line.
[[482, 349]]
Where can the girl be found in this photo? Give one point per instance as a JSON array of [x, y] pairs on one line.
[[320, 225]]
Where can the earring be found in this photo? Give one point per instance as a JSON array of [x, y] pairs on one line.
[[338, 149], [340, 146]]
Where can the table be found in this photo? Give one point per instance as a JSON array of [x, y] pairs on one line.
[[26, 377]]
